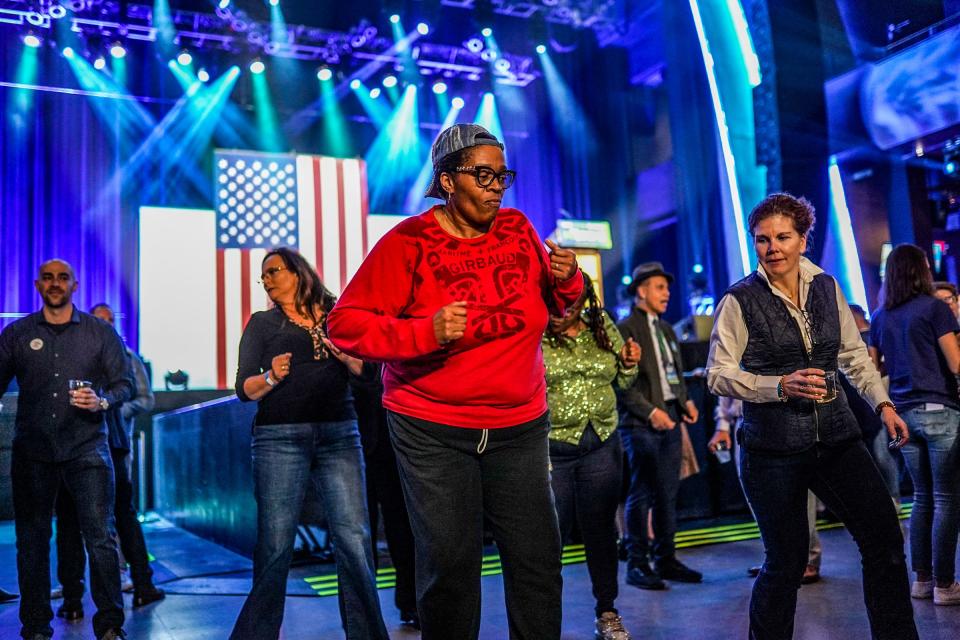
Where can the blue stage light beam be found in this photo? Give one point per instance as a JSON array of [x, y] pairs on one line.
[[268, 124], [415, 201], [396, 156], [751, 62], [377, 110], [570, 121], [26, 74], [184, 75], [336, 138], [849, 272], [163, 22]]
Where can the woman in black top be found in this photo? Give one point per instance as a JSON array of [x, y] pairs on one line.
[[305, 431]]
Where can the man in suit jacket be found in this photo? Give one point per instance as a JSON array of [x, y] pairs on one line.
[[650, 411]]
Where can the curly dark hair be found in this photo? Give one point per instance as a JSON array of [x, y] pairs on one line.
[[310, 290], [907, 276], [799, 210], [594, 315]]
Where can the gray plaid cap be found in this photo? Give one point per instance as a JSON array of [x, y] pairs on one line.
[[451, 140]]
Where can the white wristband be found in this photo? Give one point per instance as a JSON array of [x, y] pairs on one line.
[[268, 379]]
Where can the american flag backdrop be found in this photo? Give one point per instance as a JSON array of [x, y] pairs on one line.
[[314, 203]]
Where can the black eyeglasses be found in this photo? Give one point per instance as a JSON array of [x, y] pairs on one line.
[[485, 176]]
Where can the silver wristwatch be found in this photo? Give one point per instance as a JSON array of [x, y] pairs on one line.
[[104, 405]]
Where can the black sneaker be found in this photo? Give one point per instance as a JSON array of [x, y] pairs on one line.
[[70, 610], [673, 569], [644, 577], [143, 597]]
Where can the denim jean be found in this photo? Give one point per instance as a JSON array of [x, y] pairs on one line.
[[286, 457], [654, 458], [71, 559], [814, 548], [886, 463], [586, 483], [933, 460], [845, 478], [89, 481], [450, 487]]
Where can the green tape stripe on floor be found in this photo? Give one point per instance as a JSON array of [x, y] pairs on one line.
[[326, 585]]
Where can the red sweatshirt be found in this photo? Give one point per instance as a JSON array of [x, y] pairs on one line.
[[493, 376]]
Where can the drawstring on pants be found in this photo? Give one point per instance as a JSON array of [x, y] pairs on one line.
[[483, 441]]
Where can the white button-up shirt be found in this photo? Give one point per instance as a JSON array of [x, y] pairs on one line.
[[725, 377]]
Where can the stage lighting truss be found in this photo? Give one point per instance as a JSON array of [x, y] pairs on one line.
[[231, 30], [607, 18]]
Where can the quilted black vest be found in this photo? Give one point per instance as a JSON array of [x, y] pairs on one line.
[[775, 348]]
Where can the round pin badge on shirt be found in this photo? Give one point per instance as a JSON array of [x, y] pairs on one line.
[[36, 344]]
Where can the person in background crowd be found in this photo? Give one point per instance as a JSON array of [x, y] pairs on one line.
[[71, 369], [455, 301], [586, 357], [947, 292], [384, 493], [70, 556], [305, 431], [874, 435], [651, 411], [916, 334], [779, 332]]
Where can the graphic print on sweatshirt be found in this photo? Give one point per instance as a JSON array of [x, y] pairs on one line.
[[492, 275]]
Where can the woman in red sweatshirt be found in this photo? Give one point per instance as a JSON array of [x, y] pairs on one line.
[[454, 302]]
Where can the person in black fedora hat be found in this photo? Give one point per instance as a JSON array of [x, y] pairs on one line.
[[651, 411]]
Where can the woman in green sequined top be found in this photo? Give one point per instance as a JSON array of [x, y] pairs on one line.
[[585, 356]]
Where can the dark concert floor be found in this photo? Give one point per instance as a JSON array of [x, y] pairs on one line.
[[205, 585]]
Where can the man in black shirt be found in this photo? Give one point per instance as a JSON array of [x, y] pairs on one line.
[[61, 437]]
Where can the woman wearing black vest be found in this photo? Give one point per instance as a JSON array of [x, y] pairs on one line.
[[780, 336]]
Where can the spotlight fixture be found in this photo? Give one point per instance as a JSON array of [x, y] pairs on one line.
[[502, 65], [185, 58], [474, 45], [395, 18], [439, 88], [355, 84], [57, 11], [223, 4], [698, 268], [375, 93], [486, 32], [324, 74], [423, 28], [626, 279], [257, 66], [541, 49], [31, 40], [100, 63], [117, 50], [390, 81], [488, 55], [68, 52], [203, 76], [274, 3], [457, 103]]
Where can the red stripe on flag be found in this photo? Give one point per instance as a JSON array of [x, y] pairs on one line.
[[244, 287], [341, 203], [318, 207], [221, 322], [364, 207]]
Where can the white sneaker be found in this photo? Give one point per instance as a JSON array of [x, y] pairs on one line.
[[922, 590], [610, 627], [947, 595]]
